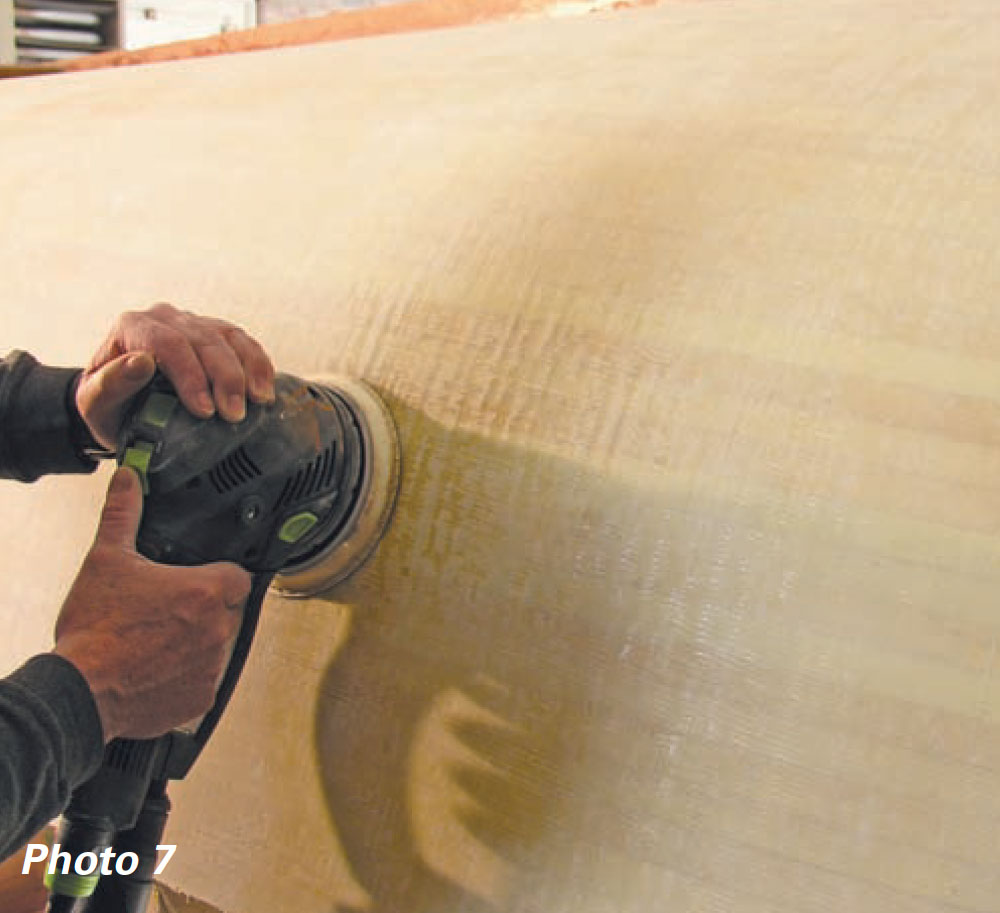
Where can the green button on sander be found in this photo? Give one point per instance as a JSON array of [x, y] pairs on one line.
[[294, 528], [137, 457]]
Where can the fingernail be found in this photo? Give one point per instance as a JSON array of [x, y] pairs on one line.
[[237, 408], [205, 404], [263, 391], [137, 365], [121, 481]]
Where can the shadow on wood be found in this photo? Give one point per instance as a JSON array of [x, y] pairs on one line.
[[470, 702]]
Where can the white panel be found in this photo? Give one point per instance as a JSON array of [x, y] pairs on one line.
[[163, 21]]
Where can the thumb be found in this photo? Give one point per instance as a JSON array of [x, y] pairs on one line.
[[122, 510], [104, 392], [121, 378]]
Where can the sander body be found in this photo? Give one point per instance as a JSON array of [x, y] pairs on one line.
[[298, 493]]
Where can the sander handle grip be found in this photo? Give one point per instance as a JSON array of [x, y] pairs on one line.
[[131, 893]]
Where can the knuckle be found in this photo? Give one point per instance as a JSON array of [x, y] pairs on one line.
[[197, 599], [221, 361], [193, 323], [99, 557], [233, 334], [105, 561], [218, 349], [260, 356], [225, 327], [235, 581], [166, 336], [220, 344], [215, 579], [162, 309], [98, 385], [210, 592]]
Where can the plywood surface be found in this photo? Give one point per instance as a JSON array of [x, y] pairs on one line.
[[689, 320]]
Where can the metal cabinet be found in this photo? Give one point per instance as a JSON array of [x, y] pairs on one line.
[[44, 31]]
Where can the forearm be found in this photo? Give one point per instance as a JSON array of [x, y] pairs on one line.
[[40, 430], [50, 742]]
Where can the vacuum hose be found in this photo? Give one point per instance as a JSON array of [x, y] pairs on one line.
[[130, 892]]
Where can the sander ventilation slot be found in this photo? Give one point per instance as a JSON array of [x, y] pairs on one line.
[[236, 469], [312, 478]]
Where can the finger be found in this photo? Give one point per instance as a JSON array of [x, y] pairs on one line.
[[256, 365], [225, 372], [110, 387], [122, 510], [101, 395], [179, 361], [236, 583], [111, 347], [124, 335]]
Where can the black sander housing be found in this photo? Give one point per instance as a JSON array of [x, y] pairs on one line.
[[263, 493], [298, 493]]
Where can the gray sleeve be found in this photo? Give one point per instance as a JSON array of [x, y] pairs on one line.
[[50, 742], [40, 429]]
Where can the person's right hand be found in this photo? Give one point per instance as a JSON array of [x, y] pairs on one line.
[[151, 640]]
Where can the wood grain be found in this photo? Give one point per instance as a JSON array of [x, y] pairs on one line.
[[689, 321]]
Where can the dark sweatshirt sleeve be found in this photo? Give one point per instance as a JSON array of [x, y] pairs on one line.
[[40, 429], [50, 742], [50, 731]]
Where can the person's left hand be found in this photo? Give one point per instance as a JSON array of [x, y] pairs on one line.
[[211, 364]]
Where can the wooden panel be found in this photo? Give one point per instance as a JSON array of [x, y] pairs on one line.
[[689, 319]]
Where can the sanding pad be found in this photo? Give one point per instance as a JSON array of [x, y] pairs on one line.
[[380, 482]]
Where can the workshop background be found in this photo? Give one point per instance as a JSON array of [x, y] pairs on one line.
[[41, 31], [688, 314]]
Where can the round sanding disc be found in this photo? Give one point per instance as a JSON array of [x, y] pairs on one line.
[[363, 530]]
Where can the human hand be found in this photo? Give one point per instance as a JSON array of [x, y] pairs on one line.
[[211, 364], [151, 640]]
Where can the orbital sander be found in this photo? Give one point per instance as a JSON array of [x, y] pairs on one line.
[[299, 493]]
